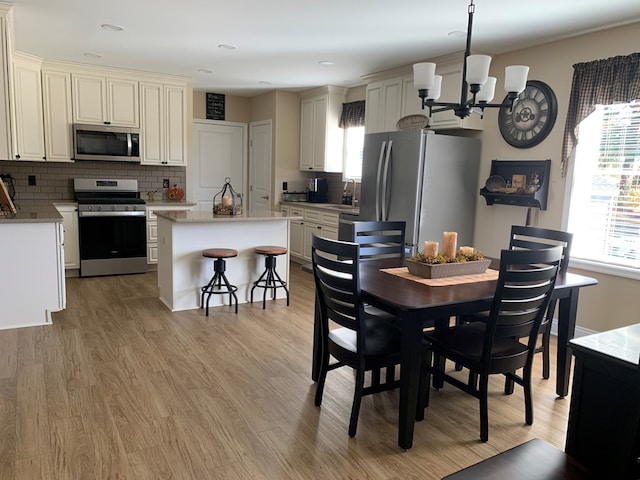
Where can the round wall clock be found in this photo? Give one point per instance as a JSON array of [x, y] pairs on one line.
[[532, 116]]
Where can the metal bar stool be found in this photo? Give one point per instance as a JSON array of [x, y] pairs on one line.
[[215, 285], [270, 278]]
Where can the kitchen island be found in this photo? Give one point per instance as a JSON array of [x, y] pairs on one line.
[[182, 270], [32, 258]]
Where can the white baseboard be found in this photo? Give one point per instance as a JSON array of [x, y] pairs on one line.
[[580, 331]]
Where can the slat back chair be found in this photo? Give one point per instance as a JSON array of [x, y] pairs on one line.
[[358, 340], [380, 239], [535, 238], [506, 342]]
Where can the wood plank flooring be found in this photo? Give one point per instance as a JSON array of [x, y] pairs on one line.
[[120, 388]]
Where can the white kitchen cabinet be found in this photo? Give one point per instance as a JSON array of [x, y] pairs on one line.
[[163, 122], [100, 100], [28, 125], [411, 102], [6, 150], [152, 226], [321, 138], [318, 222], [56, 102], [69, 212], [384, 105], [296, 233]]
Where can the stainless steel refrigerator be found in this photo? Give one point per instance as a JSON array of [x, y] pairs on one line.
[[428, 180]]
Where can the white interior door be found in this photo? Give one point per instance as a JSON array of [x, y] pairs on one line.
[[219, 151], [260, 165]]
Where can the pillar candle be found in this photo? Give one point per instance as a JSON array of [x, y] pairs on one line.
[[468, 251], [226, 201], [449, 244], [430, 248]]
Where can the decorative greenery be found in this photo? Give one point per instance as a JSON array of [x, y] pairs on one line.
[[440, 258]]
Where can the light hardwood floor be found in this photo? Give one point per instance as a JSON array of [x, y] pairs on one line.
[[120, 388]]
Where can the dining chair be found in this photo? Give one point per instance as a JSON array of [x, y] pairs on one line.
[[525, 284], [379, 240], [354, 339], [535, 238]]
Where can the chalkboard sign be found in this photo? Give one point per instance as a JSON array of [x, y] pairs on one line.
[[215, 106]]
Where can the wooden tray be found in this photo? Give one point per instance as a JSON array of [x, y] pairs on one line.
[[440, 270]]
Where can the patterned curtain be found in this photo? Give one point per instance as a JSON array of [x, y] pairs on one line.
[[601, 82], [352, 114]]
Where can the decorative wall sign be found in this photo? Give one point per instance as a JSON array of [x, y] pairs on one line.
[[215, 106]]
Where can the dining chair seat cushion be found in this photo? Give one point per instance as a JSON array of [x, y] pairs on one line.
[[381, 337], [467, 340]]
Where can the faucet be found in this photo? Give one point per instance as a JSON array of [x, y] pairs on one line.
[[353, 192]]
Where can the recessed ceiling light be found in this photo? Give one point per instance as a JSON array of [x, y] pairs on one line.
[[264, 82], [92, 55], [325, 62], [113, 28], [227, 46], [457, 34], [205, 70]]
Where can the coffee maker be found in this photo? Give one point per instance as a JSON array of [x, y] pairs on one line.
[[318, 190]]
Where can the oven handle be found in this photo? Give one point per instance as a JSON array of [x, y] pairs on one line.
[[112, 214]]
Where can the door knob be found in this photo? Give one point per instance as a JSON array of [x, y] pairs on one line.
[[266, 197]]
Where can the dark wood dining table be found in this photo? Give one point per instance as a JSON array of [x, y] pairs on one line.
[[419, 306]]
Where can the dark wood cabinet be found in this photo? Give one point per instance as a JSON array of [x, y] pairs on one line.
[[526, 183], [604, 417]]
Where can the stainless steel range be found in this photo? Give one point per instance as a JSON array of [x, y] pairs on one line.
[[112, 227]]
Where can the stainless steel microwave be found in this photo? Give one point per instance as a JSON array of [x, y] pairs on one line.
[[106, 142]]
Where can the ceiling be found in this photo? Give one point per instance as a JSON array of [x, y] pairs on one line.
[[280, 43]]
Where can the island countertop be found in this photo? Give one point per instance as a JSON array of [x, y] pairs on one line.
[[44, 213], [208, 217]]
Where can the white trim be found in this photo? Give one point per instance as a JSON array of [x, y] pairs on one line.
[[580, 331]]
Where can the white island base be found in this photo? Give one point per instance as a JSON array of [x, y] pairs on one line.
[[182, 270]]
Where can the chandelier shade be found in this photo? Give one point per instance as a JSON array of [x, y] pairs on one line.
[[475, 82]]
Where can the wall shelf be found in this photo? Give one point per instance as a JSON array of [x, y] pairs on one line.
[[526, 183]]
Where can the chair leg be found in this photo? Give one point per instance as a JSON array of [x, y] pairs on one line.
[[391, 374], [528, 397], [375, 377], [508, 385], [546, 336], [322, 377], [484, 407], [357, 398]]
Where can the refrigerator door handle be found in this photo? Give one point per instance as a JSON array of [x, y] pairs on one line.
[[378, 180], [385, 178]]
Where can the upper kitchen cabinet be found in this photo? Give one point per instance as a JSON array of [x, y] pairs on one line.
[[5, 113], [104, 100], [383, 105], [163, 122], [321, 138], [56, 103], [41, 111], [28, 124]]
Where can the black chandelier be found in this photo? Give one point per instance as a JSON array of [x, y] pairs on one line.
[[475, 79]]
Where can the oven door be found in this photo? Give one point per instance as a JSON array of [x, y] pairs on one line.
[[112, 243]]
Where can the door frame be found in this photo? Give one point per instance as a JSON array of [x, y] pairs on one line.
[[252, 125]]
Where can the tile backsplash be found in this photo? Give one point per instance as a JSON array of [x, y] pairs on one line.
[[54, 181]]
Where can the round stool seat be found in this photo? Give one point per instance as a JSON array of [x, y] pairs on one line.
[[219, 253], [270, 250]]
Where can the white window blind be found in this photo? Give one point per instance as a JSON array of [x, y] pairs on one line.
[[605, 202]]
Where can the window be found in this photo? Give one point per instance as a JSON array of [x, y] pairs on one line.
[[604, 213], [353, 148], [352, 121]]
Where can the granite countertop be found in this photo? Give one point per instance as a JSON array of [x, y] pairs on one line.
[[208, 217], [44, 213], [333, 207], [622, 344], [168, 203]]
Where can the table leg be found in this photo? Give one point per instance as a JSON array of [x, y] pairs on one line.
[[410, 371], [567, 312]]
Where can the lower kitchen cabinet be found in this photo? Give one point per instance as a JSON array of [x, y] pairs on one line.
[[316, 221], [152, 226], [69, 212]]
